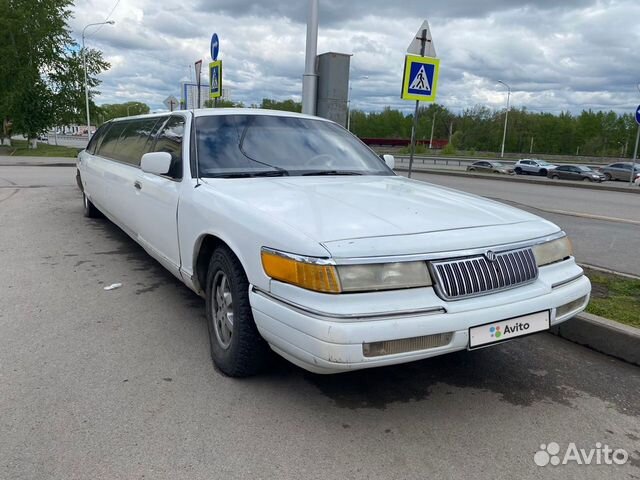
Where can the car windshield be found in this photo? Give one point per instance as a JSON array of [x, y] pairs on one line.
[[584, 169], [497, 164], [542, 162], [268, 145]]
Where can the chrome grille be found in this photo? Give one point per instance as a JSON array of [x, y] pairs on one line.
[[473, 276]]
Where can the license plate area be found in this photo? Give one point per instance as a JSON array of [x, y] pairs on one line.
[[503, 330]]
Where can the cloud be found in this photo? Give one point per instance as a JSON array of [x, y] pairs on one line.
[[569, 55]]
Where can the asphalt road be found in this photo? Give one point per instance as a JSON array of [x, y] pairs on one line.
[[603, 226], [118, 384]]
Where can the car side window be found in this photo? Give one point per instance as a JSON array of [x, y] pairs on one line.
[[615, 165], [170, 140], [95, 140], [134, 140], [108, 145]]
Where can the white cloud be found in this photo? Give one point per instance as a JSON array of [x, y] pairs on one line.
[[582, 54]]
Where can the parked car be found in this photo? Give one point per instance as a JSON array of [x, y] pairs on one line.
[[619, 171], [637, 180], [305, 242], [530, 166], [489, 167], [576, 172]]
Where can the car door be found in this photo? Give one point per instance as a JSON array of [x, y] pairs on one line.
[[89, 165], [571, 173], [157, 198]]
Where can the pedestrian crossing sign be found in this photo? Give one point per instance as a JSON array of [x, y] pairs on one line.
[[215, 79], [420, 78]]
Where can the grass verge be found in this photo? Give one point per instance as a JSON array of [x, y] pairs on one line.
[[19, 148], [614, 297]]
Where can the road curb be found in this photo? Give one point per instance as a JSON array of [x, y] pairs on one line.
[[512, 178], [602, 335]]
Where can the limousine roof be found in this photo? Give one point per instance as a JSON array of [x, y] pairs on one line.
[[213, 112]]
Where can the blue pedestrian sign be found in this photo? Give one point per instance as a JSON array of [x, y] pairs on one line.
[[215, 47], [638, 115], [215, 79], [420, 78]]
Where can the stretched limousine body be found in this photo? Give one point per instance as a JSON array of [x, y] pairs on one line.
[[303, 241]]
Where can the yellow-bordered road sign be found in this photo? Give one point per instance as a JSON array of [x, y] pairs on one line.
[[420, 80], [215, 79]]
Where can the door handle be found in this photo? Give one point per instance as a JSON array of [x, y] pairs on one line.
[[138, 185]]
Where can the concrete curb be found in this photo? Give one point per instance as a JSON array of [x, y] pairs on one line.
[[513, 178], [602, 335]]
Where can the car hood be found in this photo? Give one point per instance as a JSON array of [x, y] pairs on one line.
[[329, 209]]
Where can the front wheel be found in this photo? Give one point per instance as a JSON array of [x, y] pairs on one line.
[[586, 179], [518, 171], [554, 177], [607, 177], [237, 348]]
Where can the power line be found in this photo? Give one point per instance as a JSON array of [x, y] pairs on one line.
[[108, 16]]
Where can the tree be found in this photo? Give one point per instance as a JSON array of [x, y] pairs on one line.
[[222, 104], [286, 105], [40, 65], [109, 111]]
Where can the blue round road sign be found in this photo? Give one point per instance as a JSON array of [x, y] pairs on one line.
[[215, 46], [638, 114]]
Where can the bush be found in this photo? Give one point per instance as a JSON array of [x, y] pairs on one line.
[[449, 150]]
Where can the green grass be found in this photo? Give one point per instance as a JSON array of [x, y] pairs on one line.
[[616, 298], [19, 149]]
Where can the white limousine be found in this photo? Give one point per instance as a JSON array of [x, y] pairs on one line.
[[305, 242]]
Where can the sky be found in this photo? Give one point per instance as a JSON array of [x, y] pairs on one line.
[[565, 55]]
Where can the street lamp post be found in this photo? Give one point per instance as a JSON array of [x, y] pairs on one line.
[[506, 116], [84, 65]]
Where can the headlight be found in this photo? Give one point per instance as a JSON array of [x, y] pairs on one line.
[[383, 276], [320, 276], [553, 251]]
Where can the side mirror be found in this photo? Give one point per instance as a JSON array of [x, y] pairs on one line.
[[158, 163], [390, 161]]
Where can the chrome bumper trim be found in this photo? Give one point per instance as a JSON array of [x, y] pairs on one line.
[[348, 316]]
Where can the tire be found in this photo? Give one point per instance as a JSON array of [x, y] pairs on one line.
[[607, 177], [585, 179], [471, 169], [90, 210], [237, 348], [518, 171], [554, 177], [543, 173]]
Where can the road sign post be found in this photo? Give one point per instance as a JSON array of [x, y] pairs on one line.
[[635, 150], [420, 78], [171, 102], [198, 74]]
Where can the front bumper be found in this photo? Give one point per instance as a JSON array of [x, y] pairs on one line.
[[327, 342]]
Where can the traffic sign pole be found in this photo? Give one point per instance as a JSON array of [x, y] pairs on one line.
[[423, 42], [635, 150]]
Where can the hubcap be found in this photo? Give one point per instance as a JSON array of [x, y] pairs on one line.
[[222, 310]]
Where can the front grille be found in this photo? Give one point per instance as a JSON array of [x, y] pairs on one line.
[[472, 276]]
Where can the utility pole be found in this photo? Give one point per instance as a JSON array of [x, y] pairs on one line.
[[531, 147], [506, 116], [635, 150], [310, 78], [423, 44]]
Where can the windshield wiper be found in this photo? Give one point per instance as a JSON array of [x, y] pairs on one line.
[[329, 172], [269, 173]]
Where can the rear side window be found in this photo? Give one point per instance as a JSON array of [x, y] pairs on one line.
[[170, 140], [95, 140], [135, 140], [110, 140]]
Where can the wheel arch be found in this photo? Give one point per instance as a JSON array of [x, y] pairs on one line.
[[204, 247]]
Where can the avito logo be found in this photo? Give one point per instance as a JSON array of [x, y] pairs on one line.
[[498, 331]]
